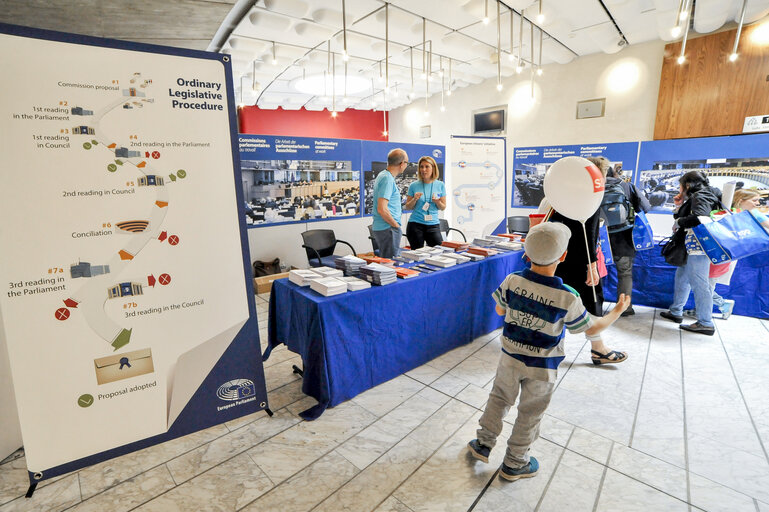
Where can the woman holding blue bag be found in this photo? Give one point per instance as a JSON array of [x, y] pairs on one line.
[[696, 199]]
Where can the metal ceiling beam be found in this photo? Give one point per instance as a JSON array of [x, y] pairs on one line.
[[621, 34]]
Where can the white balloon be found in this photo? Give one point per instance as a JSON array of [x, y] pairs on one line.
[[574, 187]]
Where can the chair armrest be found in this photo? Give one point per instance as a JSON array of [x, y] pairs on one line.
[[317, 254], [458, 231], [348, 245]]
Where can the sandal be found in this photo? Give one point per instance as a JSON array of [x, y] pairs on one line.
[[608, 358]]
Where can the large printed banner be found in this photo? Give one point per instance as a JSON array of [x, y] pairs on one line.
[[478, 182], [530, 165], [127, 308], [289, 179], [743, 159], [374, 161]]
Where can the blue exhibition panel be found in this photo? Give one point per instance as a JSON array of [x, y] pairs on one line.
[[743, 159], [531, 163], [374, 160]]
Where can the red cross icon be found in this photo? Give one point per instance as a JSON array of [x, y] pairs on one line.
[[164, 279], [62, 314]]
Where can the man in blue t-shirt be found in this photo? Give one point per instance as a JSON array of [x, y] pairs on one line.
[[387, 205]]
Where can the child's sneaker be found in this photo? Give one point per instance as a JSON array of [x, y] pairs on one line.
[[527, 471], [727, 308], [479, 451]]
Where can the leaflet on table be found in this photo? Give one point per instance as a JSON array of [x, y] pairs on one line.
[[125, 263]]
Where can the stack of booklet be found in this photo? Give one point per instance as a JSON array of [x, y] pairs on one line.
[[329, 286], [457, 246], [377, 259], [474, 257], [482, 251], [378, 274], [441, 261], [460, 258], [406, 273], [483, 242], [413, 255], [508, 246], [350, 265], [328, 272], [354, 284], [303, 277]]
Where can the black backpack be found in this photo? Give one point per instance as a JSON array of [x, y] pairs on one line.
[[616, 209]]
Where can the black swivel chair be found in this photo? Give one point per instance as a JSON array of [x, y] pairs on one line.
[[518, 224], [445, 230], [319, 245]]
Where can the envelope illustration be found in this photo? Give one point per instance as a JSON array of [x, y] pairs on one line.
[[123, 366]]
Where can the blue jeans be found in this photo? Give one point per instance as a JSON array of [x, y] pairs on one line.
[[693, 277], [389, 242]]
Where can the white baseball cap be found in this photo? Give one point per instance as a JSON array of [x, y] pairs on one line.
[[546, 243]]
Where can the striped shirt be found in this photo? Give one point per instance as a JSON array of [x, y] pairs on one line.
[[538, 310]]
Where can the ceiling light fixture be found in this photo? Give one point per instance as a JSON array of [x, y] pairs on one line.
[[411, 56], [424, 48], [682, 58], [486, 14], [519, 67], [333, 85], [499, 50], [443, 88], [540, 16], [345, 55], [274, 58], [539, 61], [531, 46], [676, 31], [733, 56], [387, 47], [448, 93], [511, 56]]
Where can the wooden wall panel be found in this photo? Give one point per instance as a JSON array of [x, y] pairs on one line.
[[708, 95]]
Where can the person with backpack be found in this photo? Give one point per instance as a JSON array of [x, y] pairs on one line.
[[620, 202]]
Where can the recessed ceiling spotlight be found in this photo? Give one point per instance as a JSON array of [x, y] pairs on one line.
[[443, 109], [448, 93], [539, 71], [681, 59], [676, 31], [540, 18], [333, 113], [732, 57], [499, 87]]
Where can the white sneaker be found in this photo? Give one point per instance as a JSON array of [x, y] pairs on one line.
[[727, 308]]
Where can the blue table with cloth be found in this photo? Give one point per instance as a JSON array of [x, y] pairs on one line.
[[653, 283], [354, 341]]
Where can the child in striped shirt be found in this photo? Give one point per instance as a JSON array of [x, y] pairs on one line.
[[537, 307]]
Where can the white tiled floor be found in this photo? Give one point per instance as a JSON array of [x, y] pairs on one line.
[[682, 425]]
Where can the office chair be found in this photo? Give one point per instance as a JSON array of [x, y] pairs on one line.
[[319, 245], [518, 224], [445, 229]]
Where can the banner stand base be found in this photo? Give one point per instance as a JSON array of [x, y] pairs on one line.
[[31, 490], [268, 411]]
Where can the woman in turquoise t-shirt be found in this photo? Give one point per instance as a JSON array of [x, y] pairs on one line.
[[425, 197]]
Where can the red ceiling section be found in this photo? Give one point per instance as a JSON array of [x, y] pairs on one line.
[[350, 124]]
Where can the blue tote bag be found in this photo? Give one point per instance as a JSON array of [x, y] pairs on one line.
[[733, 237], [643, 236], [605, 245]]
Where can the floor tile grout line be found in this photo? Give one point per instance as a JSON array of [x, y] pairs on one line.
[[571, 364], [164, 463], [742, 395], [555, 470], [686, 430], [603, 478], [431, 455], [643, 380], [393, 446], [483, 491], [755, 503]]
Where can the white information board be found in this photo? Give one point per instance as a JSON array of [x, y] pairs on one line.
[[478, 185], [123, 263]]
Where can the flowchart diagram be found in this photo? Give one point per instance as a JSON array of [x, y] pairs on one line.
[[124, 261], [478, 184]]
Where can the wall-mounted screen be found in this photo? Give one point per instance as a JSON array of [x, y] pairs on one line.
[[489, 121]]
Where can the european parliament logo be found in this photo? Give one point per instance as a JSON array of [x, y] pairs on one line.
[[236, 389]]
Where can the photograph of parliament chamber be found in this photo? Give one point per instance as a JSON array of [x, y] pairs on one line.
[[373, 370]]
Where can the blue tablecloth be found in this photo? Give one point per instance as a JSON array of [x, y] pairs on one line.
[[357, 340], [653, 283]]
